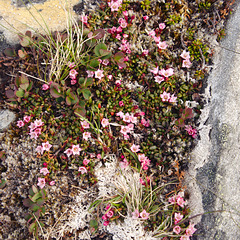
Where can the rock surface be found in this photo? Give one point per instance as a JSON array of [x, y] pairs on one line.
[[6, 117], [213, 175]]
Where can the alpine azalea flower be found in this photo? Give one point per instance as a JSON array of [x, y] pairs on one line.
[[76, 149], [44, 171], [190, 230], [26, 119], [162, 26], [154, 71], [177, 217], [82, 170], [45, 87], [46, 146], [105, 122], [41, 182], [162, 45], [68, 152], [20, 123], [165, 96], [177, 229], [144, 215], [85, 124], [86, 135], [99, 74], [135, 148], [135, 214]]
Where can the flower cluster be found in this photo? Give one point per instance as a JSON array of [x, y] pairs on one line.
[[191, 131], [115, 5], [167, 97], [189, 231], [178, 200], [186, 62], [45, 147], [145, 161], [144, 214], [109, 214], [74, 150], [72, 73]]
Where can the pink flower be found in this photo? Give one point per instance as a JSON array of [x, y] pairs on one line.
[[20, 123], [76, 149], [86, 135], [119, 29], [52, 183], [86, 161], [135, 214], [125, 35], [124, 164], [135, 148], [152, 33], [32, 126], [145, 17], [99, 156], [162, 45], [82, 170], [191, 131], [68, 152], [41, 182], [105, 122], [190, 230], [145, 122], [162, 26], [123, 24], [105, 62], [39, 149], [124, 130], [118, 82], [159, 79], [118, 37], [142, 182], [125, 13], [104, 217], [180, 201], [144, 215], [105, 223], [154, 71], [133, 119], [114, 5], [26, 119], [84, 19], [126, 118], [165, 96], [33, 135], [130, 126], [45, 87], [108, 206], [177, 229], [121, 104], [145, 52], [185, 55], [166, 73], [177, 217], [99, 74], [173, 99], [73, 81], [44, 171], [156, 39], [90, 73], [85, 124], [186, 63], [46, 146], [73, 73], [120, 114], [126, 137], [38, 123], [110, 213], [71, 64]]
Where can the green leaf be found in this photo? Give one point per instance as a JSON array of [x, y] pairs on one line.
[[2, 183], [98, 47], [95, 204], [68, 100], [34, 207], [94, 63], [35, 189], [88, 82], [9, 52], [19, 93], [93, 224], [55, 90], [27, 202], [80, 111], [22, 53], [32, 227], [81, 80], [86, 93], [99, 33], [35, 196], [40, 201]]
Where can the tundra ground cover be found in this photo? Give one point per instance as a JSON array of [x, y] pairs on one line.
[[118, 118]]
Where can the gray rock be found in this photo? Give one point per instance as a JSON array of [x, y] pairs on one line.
[[21, 3], [6, 118], [214, 169]]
